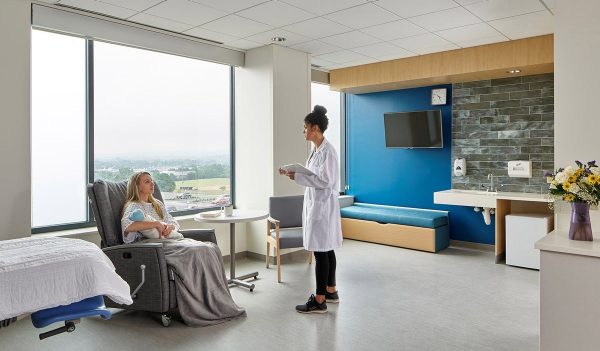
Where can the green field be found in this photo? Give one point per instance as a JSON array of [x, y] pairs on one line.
[[213, 186]]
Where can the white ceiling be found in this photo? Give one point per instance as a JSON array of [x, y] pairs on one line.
[[340, 33]]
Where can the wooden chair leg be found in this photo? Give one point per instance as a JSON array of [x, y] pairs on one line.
[[310, 257], [278, 265], [267, 253]]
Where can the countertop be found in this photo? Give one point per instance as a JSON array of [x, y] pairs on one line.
[[558, 241]]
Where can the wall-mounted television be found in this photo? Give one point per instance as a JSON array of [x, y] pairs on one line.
[[417, 129]]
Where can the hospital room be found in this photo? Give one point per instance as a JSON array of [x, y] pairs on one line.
[[299, 175]]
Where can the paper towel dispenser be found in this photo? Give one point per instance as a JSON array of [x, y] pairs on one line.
[[521, 169]]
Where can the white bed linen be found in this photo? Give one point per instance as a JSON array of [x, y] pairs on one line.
[[40, 273]]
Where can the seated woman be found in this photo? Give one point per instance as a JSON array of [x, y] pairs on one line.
[[203, 296]]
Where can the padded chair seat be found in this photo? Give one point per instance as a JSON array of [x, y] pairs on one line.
[[415, 217], [289, 237]]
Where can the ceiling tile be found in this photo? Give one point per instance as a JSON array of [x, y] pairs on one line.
[[397, 56], [316, 47], [424, 43], [472, 35], [394, 30], [236, 26], [290, 38], [529, 25], [160, 22], [411, 8], [381, 49], [185, 11], [350, 40], [363, 16], [320, 62], [317, 28], [100, 7], [321, 7], [50, 1], [243, 44], [495, 9], [138, 5], [352, 63], [342, 56], [210, 35], [276, 13], [446, 19], [230, 5]]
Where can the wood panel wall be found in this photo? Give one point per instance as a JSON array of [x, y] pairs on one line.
[[531, 55]]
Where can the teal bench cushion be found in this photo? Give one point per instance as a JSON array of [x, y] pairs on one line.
[[415, 217]]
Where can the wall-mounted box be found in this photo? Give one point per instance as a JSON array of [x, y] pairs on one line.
[[520, 169]]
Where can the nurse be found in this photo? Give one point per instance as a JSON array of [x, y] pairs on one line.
[[321, 221]]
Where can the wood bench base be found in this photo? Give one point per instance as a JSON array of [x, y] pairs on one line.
[[417, 238]]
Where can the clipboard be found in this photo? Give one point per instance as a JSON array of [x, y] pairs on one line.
[[298, 168]]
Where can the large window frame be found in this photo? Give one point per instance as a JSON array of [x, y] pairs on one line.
[[89, 116]]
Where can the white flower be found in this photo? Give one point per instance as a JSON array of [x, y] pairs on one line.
[[574, 188], [561, 177], [569, 170], [595, 170], [553, 186]]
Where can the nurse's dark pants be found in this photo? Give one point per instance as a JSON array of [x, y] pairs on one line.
[[324, 270]]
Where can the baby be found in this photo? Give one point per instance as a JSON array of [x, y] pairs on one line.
[[138, 215]]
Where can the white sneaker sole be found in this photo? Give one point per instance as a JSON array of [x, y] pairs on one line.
[[313, 311], [333, 301]]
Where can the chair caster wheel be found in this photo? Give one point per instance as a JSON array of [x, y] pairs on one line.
[[251, 290], [166, 320]]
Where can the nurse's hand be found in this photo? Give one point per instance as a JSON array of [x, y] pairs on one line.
[[291, 175]]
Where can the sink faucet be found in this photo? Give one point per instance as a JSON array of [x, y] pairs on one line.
[[492, 186]]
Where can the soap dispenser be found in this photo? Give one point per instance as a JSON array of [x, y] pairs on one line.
[[460, 167]]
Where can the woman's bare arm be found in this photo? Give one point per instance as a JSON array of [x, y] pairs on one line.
[[141, 225]]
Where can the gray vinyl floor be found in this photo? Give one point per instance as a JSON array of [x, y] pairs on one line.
[[391, 299]]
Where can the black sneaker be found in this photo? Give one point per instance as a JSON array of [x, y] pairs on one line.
[[312, 306], [332, 297]]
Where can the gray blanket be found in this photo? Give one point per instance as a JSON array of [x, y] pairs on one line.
[[203, 296]]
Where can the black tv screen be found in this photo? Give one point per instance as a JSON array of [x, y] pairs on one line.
[[413, 129]]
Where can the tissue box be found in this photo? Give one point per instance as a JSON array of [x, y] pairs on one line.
[[520, 169]]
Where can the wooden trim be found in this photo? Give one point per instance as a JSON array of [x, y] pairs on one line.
[[472, 245], [502, 209], [390, 234], [531, 55]]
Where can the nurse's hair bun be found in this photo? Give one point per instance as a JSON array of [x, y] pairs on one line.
[[318, 117], [319, 110]]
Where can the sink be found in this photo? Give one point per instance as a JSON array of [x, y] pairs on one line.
[[477, 192], [473, 198]]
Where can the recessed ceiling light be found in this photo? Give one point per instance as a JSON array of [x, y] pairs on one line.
[[278, 39], [513, 71]]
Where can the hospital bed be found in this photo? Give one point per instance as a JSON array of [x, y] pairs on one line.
[[56, 280]]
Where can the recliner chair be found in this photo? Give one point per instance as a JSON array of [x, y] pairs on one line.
[[141, 265]]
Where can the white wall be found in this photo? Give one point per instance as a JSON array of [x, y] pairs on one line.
[[272, 98], [576, 118], [15, 177]]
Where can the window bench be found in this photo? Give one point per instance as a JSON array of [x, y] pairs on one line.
[[412, 228]]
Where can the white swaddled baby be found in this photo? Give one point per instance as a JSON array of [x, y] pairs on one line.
[[138, 216]]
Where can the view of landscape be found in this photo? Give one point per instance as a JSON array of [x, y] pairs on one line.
[[185, 184]]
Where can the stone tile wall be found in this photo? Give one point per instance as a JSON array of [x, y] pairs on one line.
[[498, 120]]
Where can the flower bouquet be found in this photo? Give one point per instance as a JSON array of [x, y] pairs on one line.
[[581, 187]]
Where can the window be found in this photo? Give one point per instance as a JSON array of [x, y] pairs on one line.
[[166, 114], [331, 100], [138, 110], [58, 132]]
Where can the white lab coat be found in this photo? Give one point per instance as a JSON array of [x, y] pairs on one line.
[[321, 222]]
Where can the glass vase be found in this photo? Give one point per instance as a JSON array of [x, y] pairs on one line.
[[581, 228]]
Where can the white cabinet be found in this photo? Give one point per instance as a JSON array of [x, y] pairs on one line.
[[522, 231]]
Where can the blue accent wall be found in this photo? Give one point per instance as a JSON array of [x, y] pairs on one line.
[[404, 177]]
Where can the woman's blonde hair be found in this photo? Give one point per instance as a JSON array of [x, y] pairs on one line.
[[133, 193]]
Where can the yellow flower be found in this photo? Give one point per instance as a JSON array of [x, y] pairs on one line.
[[592, 179], [569, 197], [566, 186], [572, 178], [578, 172]]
